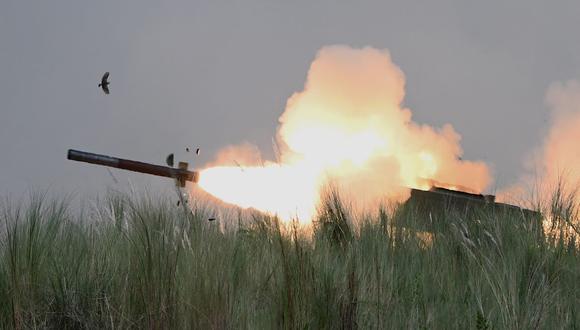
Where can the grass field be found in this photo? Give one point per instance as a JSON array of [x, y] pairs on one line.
[[144, 264]]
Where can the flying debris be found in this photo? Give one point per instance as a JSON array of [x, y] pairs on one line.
[[104, 83], [196, 150], [169, 160], [211, 219]]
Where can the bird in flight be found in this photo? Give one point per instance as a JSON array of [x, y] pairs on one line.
[[104, 83]]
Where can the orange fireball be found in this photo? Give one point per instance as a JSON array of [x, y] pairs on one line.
[[347, 125]]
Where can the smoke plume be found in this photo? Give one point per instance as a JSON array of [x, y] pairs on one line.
[[557, 161], [348, 125]]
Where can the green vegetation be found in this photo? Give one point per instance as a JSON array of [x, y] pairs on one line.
[[148, 264]]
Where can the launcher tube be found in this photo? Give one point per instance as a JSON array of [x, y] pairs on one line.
[[135, 166]]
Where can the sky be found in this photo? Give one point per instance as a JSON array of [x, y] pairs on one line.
[[210, 74]]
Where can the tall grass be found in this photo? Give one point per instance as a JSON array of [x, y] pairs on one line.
[[140, 263]]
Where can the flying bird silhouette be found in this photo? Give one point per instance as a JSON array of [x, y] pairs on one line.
[[104, 83]]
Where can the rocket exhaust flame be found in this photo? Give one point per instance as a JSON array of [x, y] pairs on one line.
[[276, 189], [347, 125]]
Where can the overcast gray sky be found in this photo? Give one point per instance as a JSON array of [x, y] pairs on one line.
[[211, 74]]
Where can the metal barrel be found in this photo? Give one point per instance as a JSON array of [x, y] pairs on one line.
[[181, 174]]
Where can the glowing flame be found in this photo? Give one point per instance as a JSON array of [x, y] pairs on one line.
[[288, 191], [347, 125]]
